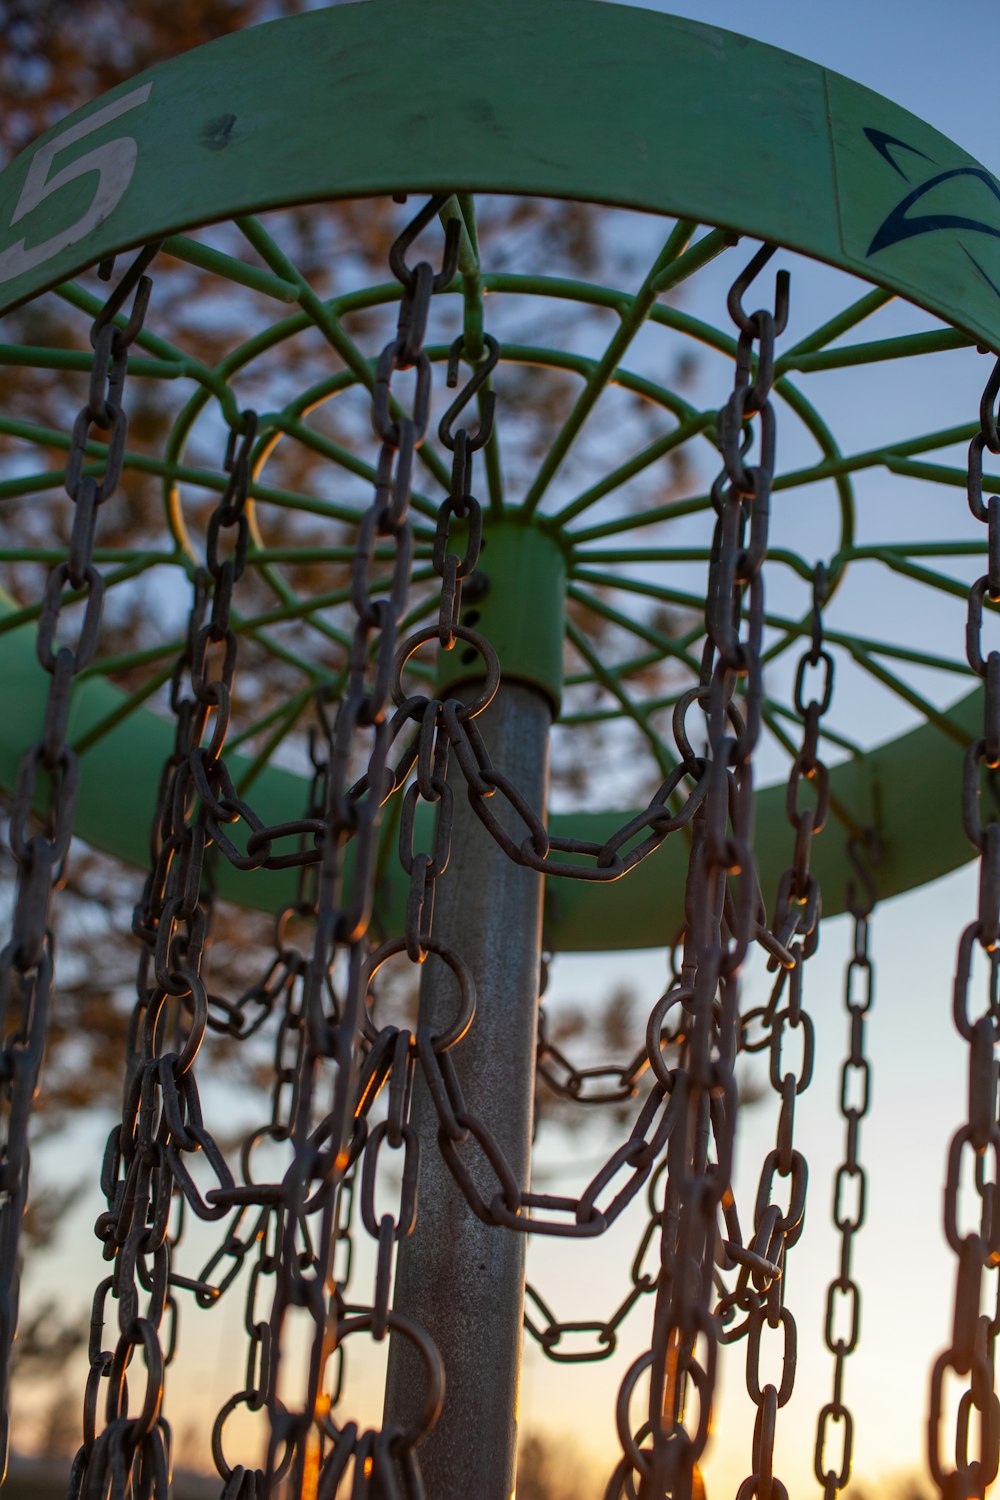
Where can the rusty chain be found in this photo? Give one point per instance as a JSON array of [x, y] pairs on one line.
[[331, 1057], [146, 1177], [760, 1291], [292, 1237], [723, 909], [970, 1356], [48, 776], [843, 1292], [327, 1115]]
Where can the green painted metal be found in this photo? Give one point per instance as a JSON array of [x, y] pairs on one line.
[[886, 785], [570, 99], [518, 606]]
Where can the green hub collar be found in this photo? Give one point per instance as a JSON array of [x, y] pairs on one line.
[[516, 600]]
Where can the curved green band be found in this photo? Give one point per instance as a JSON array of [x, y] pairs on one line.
[[569, 98], [896, 786]]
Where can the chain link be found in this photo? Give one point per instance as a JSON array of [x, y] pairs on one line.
[[795, 924], [970, 1356], [843, 1295], [723, 909], [146, 1179], [48, 776], [291, 1239]]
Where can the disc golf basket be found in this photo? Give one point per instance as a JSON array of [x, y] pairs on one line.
[[431, 609]]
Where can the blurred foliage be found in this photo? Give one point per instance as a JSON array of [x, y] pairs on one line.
[[549, 1470]]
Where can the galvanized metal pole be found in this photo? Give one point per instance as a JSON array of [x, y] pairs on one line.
[[459, 1278]]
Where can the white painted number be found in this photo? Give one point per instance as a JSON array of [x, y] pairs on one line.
[[113, 161]]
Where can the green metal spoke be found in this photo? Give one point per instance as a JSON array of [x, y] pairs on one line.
[[664, 644], [908, 346], [285, 721], [87, 303], [581, 364], [939, 474], [297, 609], [609, 715], [72, 596], [929, 576], [884, 456], [275, 425], [645, 659], [327, 322], [36, 484], [781, 555], [839, 324], [45, 357], [699, 422], [307, 554], [671, 257], [639, 715], [144, 463], [100, 555], [292, 608], [123, 710], [282, 590], [194, 253], [273, 715], [803, 409], [244, 355], [672, 511], [795, 629], [309, 669], [832, 736], [909, 695], [923, 549], [128, 661]]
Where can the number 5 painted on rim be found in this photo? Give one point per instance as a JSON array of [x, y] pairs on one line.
[[114, 161]]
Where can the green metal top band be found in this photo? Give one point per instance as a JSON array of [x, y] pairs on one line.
[[570, 98]]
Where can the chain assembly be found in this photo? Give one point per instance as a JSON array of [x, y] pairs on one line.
[[970, 1357], [49, 772], [291, 1236], [326, 1123], [723, 909], [843, 1295], [339, 1108], [795, 924], [146, 1177]]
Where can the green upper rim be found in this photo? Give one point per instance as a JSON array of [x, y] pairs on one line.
[[570, 98]]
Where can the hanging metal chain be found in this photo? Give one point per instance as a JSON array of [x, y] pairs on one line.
[[328, 1130], [601, 1333], [600, 1083], [796, 926], [971, 1353], [145, 1177], [255, 1228], [843, 1295], [722, 909], [49, 774]]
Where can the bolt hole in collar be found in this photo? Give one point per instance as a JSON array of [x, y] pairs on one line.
[[606, 541]]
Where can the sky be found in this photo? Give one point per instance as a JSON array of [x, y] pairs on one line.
[[940, 62]]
